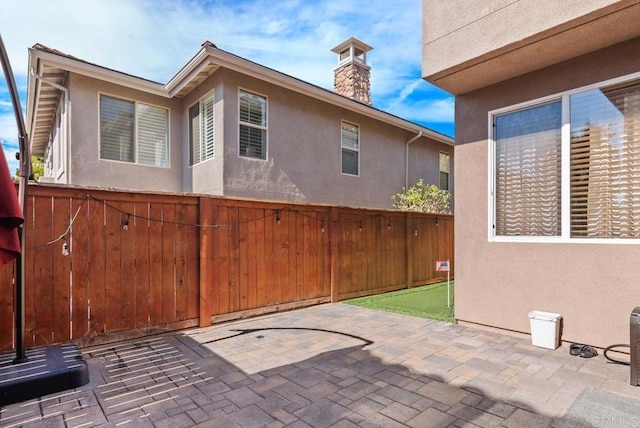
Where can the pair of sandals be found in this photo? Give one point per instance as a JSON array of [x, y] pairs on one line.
[[584, 351]]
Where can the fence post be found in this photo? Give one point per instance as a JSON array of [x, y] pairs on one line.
[[205, 311], [409, 249], [333, 252]]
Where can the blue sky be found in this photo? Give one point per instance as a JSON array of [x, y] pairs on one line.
[[153, 39]]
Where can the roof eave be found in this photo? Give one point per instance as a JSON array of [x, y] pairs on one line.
[[87, 69], [233, 62]]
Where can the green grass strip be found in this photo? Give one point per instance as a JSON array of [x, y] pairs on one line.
[[429, 301]]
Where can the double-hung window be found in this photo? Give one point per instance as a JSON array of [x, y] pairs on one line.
[[133, 132], [201, 130], [350, 141], [253, 125], [569, 167]]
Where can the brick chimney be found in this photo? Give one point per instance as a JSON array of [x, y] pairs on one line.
[[351, 77]]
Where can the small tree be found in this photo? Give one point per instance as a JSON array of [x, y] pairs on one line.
[[427, 198], [37, 167]]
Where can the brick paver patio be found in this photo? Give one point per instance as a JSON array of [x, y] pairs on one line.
[[333, 365]]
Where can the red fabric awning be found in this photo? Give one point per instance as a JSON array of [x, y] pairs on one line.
[[10, 214]]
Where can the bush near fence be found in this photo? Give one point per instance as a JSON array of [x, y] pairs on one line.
[[143, 263]]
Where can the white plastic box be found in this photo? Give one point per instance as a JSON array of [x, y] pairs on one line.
[[545, 329]]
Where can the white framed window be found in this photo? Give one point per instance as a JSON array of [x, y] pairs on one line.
[[445, 170], [350, 142], [252, 118], [134, 132], [566, 168], [201, 130]]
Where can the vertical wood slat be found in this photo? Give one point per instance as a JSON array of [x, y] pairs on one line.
[[206, 245], [80, 264], [61, 284], [41, 304], [97, 268], [139, 228]]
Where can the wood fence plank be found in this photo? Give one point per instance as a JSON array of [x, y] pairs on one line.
[[207, 215], [281, 258], [193, 263], [113, 280], [261, 262], [139, 228], [222, 262], [293, 265], [270, 258], [80, 274], [155, 264], [97, 285], [43, 297], [32, 239], [244, 263], [61, 268], [300, 252], [234, 252], [252, 259], [168, 263], [182, 245], [127, 266]]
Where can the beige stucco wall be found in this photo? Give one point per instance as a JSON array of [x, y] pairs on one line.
[[304, 154], [512, 37], [86, 167], [594, 286]]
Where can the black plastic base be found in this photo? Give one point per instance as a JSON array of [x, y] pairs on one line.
[[47, 370]]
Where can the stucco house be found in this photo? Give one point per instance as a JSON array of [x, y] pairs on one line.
[[547, 159], [224, 125]]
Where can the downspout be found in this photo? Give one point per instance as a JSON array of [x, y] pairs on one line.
[[67, 129], [406, 159]]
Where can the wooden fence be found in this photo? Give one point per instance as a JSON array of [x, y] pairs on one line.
[[142, 263]]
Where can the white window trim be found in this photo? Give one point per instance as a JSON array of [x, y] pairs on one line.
[[188, 127], [265, 128], [135, 128], [565, 131], [349, 149]]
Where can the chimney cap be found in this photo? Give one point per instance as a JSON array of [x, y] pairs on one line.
[[351, 41]]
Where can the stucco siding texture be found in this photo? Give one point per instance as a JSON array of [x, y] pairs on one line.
[[512, 37], [593, 285], [87, 169], [303, 162]]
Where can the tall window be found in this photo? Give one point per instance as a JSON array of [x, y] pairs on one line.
[[253, 125], [133, 132], [350, 141], [597, 193], [201, 130], [445, 170]]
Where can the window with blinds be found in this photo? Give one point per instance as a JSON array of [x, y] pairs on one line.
[[133, 132], [253, 125], [528, 171], [605, 162], [350, 142], [601, 152], [202, 130]]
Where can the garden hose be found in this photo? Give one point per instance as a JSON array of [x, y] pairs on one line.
[[613, 360]]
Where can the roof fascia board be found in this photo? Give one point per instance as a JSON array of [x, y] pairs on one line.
[[95, 71]]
